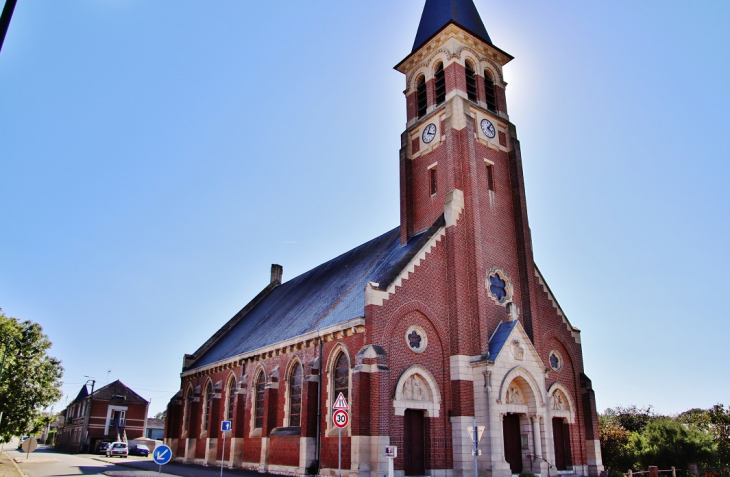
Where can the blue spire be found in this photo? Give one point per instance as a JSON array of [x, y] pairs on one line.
[[439, 13]]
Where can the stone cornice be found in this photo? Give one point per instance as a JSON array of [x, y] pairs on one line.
[[307, 340]]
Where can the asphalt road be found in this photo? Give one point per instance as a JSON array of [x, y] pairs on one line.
[[47, 462]]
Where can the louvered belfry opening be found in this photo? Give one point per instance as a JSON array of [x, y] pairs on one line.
[[489, 92], [471, 82], [422, 97], [440, 84]]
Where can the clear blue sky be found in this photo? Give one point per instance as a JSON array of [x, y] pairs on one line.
[[156, 157]]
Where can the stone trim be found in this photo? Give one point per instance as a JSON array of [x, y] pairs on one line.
[[569, 413], [374, 296], [331, 333], [574, 332], [519, 371], [401, 402]]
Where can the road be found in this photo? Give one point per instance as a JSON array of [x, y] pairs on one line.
[[47, 462]]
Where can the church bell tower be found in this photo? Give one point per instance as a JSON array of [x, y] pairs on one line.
[[460, 156]]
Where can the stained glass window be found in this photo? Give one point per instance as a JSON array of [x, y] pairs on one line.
[[342, 377], [231, 399], [295, 390], [497, 286], [208, 402], [260, 388]]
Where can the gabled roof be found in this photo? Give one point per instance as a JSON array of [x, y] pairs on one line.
[[118, 391], [83, 392], [328, 295], [499, 338], [439, 13]]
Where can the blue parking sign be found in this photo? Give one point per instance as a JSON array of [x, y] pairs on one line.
[[225, 426]]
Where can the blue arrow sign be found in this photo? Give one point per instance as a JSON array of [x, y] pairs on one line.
[[162, 455], [225, 426]]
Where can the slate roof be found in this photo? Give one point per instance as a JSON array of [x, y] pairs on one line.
[[439, 13], [83, 392], [154, 423], [116, 390], [499, 338], [327, 295]]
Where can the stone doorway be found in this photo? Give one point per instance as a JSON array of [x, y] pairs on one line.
[[561, 439], [512, 442], [414, 442]]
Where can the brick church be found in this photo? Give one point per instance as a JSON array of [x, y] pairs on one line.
[[441, 324]]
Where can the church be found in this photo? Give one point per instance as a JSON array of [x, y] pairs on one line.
[[438, 327]]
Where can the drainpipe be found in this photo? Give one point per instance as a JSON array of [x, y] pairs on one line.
[[318, 442]]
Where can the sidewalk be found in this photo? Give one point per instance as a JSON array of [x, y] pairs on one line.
[[8, 468], [145, 468]]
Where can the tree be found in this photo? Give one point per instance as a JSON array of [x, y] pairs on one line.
[[720, 429], [631, 418], [28, 383], [666, 442], [617, 450]]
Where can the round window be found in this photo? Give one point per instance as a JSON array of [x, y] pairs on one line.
[[499, 286], [416, 339], [556, 361]]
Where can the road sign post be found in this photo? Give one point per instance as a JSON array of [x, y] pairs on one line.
[[161, 455], [475, 433], [225, 427], [29, 445], [341, 418]]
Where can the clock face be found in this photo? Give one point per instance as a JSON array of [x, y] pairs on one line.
[[429, 133], [488, 128]]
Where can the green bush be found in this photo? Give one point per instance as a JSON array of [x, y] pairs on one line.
[[666, 443]]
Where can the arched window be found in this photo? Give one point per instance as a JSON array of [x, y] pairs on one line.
[[186, 409], [471, 81], [422, 97], [295, 396], [208, 402], [231, 399], [489, 91], [260, 388], [342, 377], [440, 84]]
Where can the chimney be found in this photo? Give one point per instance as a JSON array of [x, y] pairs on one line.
[[277, 272]]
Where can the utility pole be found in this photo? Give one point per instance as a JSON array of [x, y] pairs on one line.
[[88, 413], [5, 19]]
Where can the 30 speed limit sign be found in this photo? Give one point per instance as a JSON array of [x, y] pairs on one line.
[[340, 418]]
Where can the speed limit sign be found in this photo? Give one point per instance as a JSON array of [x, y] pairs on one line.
[[340, 418]]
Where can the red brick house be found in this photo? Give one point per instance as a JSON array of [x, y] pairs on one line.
[[440, 324], [111, 413]]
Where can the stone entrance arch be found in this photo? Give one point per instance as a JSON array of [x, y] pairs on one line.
[[417, 389]]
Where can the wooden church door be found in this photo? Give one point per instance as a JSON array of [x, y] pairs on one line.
[[414, 443], [561, 438], [512, 442]]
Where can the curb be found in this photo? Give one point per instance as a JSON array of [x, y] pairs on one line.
[[15, 464]]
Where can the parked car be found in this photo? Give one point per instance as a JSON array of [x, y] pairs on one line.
[[22, 439], [117, 448], [102, 447], [140, 449]]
